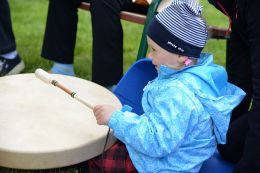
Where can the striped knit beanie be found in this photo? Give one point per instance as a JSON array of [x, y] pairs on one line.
[[180, 29]]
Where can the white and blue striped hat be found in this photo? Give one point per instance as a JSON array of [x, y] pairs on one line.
[[180, 29]]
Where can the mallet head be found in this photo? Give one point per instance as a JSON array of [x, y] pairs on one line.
[[43, 75]]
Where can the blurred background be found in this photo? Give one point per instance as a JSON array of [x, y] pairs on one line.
[[29, 18]]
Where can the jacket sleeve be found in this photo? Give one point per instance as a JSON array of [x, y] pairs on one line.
[[163, 126]]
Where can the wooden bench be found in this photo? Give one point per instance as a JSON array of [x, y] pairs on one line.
[[124, 15], [214, 32]]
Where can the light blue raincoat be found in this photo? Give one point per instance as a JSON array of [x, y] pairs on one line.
[[187, 113]]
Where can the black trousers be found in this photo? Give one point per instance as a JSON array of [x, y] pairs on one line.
[[243, 66], [7, 40], [61, 29]]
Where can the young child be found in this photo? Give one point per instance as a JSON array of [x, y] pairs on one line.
[[186, 108]]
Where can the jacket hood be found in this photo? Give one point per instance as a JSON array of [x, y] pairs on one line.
[[215, 93]]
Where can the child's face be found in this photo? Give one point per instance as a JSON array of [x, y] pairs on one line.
[[161, 56]]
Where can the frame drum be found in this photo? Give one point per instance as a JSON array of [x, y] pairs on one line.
[[44, 128]]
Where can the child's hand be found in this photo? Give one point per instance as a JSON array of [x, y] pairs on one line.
[[103, 113]]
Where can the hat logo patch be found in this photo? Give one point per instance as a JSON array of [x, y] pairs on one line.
[[175, 46]]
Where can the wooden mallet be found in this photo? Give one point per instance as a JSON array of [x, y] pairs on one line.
[[48, 78]]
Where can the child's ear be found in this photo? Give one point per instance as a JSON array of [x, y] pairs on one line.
[[182, 58]]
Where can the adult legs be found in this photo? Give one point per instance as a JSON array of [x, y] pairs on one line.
[[239, 73], [107, 62], [107, 65], [250, 161], [60, 36], [7, 43], [10, 61], [60, 33], [243, 67]]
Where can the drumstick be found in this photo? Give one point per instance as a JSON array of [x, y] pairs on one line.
[[48, 78]]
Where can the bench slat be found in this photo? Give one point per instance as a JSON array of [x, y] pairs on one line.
[[214, 32], [125, 15]]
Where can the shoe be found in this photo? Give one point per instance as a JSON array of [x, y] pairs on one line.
[[11, 66]]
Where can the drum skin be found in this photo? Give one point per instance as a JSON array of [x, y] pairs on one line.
[[42, 127]]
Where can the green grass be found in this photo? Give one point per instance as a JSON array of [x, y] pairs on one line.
[[29, 19]]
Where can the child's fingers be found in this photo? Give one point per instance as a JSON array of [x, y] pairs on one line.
[[98, 113], [97, 109]]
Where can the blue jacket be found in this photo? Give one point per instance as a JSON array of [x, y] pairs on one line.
[[186, 113]]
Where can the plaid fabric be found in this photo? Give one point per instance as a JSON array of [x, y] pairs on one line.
[[115, 160]]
